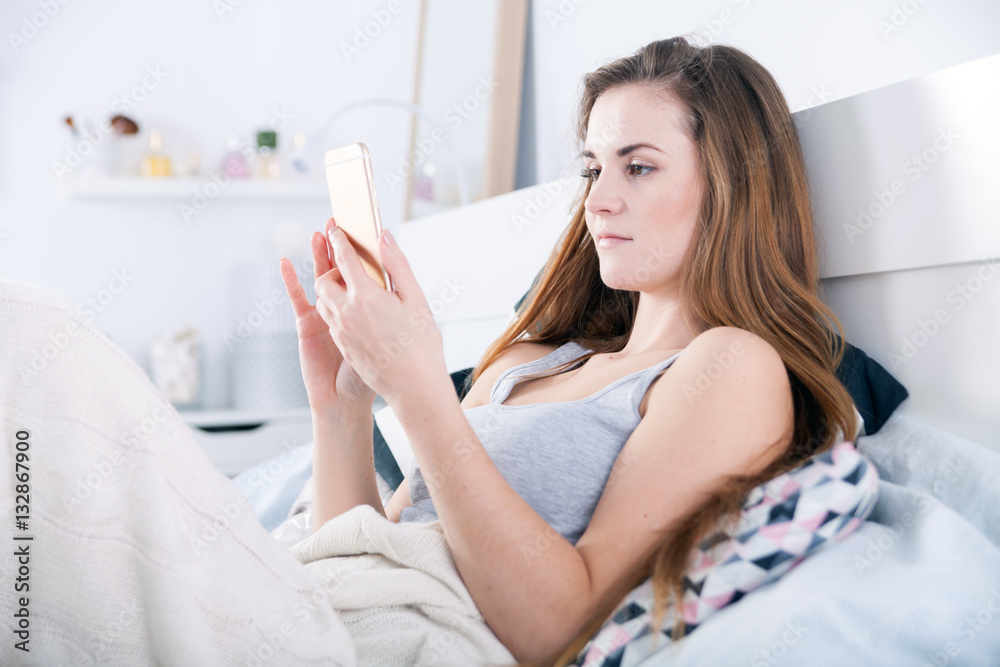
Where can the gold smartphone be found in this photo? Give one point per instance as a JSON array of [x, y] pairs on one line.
[[355, 205]]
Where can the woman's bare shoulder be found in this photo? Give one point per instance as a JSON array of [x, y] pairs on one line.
[[516, 354]]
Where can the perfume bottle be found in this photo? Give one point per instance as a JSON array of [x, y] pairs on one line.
[[267, 158], [155, 163], [289, 169], [234, 164]]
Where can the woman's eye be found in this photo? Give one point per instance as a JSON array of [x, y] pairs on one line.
[[632, 170]]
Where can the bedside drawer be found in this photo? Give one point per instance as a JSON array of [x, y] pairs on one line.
[[237, 439]]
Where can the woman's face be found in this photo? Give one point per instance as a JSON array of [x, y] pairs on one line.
[[646, 188]]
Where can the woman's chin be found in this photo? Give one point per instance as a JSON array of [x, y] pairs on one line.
[[620, 282]]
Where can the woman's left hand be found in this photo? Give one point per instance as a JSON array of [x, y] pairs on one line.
[[389, 338]]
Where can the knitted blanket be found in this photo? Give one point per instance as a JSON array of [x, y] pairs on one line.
[[125, 545], [403, 601]]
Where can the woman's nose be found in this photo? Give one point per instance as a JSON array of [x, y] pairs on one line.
[[603, 198]]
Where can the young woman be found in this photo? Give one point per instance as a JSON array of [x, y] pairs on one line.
[[692, 252]]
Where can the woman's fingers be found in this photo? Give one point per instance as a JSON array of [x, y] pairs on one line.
[[320, 253], [324, 312], [296, 294], [347, 260], [404, 283], [330, 288]]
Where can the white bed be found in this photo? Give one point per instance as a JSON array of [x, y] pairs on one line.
[[916, 584]]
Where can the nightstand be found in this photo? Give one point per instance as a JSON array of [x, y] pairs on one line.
[[237, 439]]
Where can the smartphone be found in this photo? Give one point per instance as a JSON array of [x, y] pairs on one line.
[[355, 205]]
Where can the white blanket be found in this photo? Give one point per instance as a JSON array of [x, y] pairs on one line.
[[404, 602], [141, 552]]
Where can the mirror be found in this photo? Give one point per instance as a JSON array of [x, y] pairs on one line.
[[470, 60]]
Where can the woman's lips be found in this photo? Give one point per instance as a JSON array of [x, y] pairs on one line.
[[611, 241]]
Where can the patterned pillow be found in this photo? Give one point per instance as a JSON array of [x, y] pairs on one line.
[[783, 521]]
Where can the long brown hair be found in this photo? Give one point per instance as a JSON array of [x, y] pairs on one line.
[[752, 264]]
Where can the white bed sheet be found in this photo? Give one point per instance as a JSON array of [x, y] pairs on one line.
[[917, 584]]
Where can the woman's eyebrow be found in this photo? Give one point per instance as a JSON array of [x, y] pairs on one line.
[[622, 152]]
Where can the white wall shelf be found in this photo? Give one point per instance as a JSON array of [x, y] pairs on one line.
[[187, 187]]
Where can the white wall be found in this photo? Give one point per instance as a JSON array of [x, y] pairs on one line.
[[818, 51], [221, 73]]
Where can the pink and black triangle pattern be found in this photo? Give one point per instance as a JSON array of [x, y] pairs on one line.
[[782, 522]]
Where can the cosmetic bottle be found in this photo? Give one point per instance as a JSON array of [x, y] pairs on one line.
[[267, 158], [235, 164], [155, 163], [289, 170]]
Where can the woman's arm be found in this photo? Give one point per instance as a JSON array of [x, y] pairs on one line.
[[535, 589], [343, 464], [390, 337], [341, 403], [486, 523]]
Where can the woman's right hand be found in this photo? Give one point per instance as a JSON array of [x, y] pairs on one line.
[[331, 383]]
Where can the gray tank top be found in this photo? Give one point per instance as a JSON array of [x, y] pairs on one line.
[[557, 456]]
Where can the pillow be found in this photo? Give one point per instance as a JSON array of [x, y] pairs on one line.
[[875, 392], [783, 521]]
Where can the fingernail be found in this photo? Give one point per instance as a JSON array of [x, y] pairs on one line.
[[336, 244], [387, 238]]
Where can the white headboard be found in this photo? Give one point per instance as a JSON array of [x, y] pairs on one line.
[[476, 261], [905, 182]]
